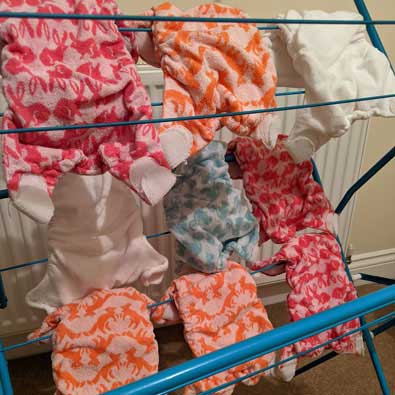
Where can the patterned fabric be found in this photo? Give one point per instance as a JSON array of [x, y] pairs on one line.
[[95, 241], [208, 216], [316, 274], [211, 68], [101, 342], [284, 196], [74, 72], [217, 310]]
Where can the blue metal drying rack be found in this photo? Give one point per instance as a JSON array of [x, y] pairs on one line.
[[199, 368]]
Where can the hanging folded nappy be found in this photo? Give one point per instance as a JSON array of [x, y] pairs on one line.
[[332, 62], [101, 342], [284, 196], [317, 276], [208, 216], [209, 68], [66, 72], [95, 241], [217, 310]]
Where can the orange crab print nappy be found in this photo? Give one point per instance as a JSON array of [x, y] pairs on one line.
[[101, 342]]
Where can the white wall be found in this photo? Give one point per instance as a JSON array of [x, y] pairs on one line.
[[374, 217]]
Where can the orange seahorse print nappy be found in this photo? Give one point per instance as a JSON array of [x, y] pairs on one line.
[[217, 310], [101, 342], [209, 68]]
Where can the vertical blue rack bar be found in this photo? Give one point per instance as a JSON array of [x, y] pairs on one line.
[[364, 179], [3, 296], [378, 367], [366, 334], [376, 41], [4, 194], [372, 31], [5, 381]]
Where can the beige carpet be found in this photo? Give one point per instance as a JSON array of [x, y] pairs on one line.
[[343, 375]]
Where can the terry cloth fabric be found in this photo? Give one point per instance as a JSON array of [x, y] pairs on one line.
[[318, 280], [208, 216], [101, 342], [209, 68], [65, 72], [95, 240], [332, 62], [284, 196], [217, 310]]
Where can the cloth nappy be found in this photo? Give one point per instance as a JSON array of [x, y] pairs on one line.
[[208, 216], [95, 240], [67, 72], [101, 342], [318, 280], [284, 196], [217, 310], [332, 62], [209, 68]]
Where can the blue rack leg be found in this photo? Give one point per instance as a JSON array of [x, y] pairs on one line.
[[364, 179], [376, 41], [376, 331], [382, 328], [377, 279], [368, 340], [366, 334], [375, 359], [3, 296], [373, 34], [5, 380]]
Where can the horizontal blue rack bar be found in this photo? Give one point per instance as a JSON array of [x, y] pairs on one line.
[[26, 343], [364, 179], [207, 365], [4, 194], [377, 279], [386, 318], [382, 328], [151, 306], [278, 94], [5, 382], [147, 29], [192, 117], [44, 260], [376, 331], [157, 235], [300, 92], [22, 265], [3, 296], [44, 15]]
